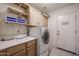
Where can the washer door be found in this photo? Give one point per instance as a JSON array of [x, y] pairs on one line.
[[45, 37]]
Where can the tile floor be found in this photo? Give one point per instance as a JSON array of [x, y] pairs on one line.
[[59, 52]]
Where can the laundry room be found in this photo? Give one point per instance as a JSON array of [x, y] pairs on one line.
[[39, 29]]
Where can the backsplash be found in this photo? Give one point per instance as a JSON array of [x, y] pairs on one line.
[[10, 29]]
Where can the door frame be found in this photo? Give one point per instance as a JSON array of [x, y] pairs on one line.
[[76, 18]]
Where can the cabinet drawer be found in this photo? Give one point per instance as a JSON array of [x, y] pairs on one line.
[[2, 53], [30, 43], [15, 49], [21, 53], [31, 51]]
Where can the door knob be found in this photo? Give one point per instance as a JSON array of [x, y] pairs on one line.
[[58, 33]]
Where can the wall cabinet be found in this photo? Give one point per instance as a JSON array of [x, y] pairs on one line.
[[24, 49], [43, 21], [36, 18]]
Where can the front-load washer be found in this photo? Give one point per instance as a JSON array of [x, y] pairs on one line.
[[44, 42], [41, 33]]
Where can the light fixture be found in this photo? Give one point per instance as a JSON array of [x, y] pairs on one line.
[[45, 12]]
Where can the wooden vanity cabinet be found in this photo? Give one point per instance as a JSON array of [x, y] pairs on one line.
[[25, 49]]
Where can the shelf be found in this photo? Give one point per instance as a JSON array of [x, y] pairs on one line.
[[31, 25], [11, 10], [22, 5]]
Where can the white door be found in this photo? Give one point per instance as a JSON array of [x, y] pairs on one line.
[[66, 32]]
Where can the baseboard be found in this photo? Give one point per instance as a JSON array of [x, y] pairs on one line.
[[66, 50]]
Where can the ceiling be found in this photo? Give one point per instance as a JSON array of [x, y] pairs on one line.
[[50, 6]]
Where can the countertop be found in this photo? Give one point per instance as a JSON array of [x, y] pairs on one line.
[[10, 43]]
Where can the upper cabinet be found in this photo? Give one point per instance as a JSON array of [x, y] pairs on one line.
[[43, 21], [37, 19], [25, 11], [34, 17]]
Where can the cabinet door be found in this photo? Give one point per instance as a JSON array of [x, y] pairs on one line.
[[2, 53], [15, 49], [44, 21], [31, 43], [21, 53], [31, 51], [34, 17]]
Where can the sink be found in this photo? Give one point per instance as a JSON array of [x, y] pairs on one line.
[[20, 36], [8, 38]]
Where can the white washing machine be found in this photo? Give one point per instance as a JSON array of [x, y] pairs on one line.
[[42, 42]]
